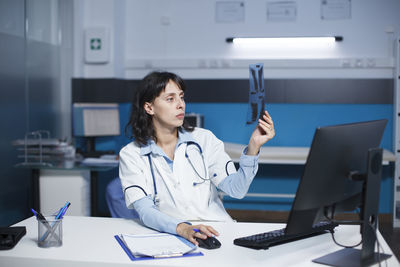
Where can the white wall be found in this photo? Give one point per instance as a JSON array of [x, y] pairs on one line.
[[182, 36]]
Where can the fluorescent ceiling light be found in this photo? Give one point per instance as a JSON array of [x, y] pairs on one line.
[[283, 40]]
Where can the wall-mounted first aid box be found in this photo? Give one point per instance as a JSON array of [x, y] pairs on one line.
[[97, 45]]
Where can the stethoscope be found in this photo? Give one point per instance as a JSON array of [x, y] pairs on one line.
[[204, 179]]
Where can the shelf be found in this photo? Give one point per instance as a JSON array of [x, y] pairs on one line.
[[286, 155]]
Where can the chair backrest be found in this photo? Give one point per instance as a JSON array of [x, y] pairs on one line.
[[116, 201]]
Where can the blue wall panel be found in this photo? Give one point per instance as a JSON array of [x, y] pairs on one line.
[[294, 123], [295, 126]]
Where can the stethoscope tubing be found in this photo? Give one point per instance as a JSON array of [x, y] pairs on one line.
[[191, 163], [204, 179], [152, 174]]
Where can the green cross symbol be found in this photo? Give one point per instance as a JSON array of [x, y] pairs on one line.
[[95, 44]]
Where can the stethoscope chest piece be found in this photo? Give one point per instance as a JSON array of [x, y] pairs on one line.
[[156, 200]]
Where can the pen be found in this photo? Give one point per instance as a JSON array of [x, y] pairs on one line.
[[198, 231], [62, 211], [40, 216]]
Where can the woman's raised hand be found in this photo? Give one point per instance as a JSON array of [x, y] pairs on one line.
[[264, 132]]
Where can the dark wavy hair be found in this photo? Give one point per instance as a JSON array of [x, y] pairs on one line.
[[140, 123]]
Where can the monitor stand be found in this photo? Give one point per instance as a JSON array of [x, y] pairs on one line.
[[369, 215], [90, 144], [350, 257], [91, 151], [91, 148]]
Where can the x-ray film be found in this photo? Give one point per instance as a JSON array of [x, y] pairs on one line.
[[256, 93]]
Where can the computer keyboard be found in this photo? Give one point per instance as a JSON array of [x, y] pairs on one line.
[[268, 239]]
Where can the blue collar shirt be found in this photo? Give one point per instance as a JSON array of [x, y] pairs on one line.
[[153, 148]]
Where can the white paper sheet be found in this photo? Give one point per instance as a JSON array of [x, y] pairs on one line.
[[157, 245]]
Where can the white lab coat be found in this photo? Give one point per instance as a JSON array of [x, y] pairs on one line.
[[178, 197]]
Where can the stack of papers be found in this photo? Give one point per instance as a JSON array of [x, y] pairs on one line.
[[158, 245]]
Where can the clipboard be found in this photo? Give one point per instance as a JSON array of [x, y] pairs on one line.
[[133, 258]]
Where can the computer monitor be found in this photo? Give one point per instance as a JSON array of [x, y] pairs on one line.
[[337, 177], [92, 120], [194, 119]]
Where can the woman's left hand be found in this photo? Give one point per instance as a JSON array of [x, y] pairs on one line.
[[264, 132]]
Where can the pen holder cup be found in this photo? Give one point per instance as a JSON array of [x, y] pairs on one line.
[[49, 232]]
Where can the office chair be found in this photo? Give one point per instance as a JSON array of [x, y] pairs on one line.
[[116, 201]]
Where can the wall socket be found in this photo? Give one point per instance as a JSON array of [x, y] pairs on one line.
[[359, 63], [346, 63]]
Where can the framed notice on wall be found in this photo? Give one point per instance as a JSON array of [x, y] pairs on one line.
[[335, 9], [229, 12]]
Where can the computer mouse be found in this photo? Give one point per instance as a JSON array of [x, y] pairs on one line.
[[208, 243]]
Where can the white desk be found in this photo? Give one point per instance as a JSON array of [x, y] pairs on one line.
[[89, 241]]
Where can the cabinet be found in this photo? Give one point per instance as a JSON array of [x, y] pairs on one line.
[[68, 180]]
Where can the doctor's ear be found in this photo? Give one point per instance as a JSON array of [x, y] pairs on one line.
[[148, 107]]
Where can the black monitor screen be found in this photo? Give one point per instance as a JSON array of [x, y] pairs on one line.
[[336, 151]]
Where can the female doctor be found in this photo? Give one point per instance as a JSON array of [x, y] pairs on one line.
[[171, 172]]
